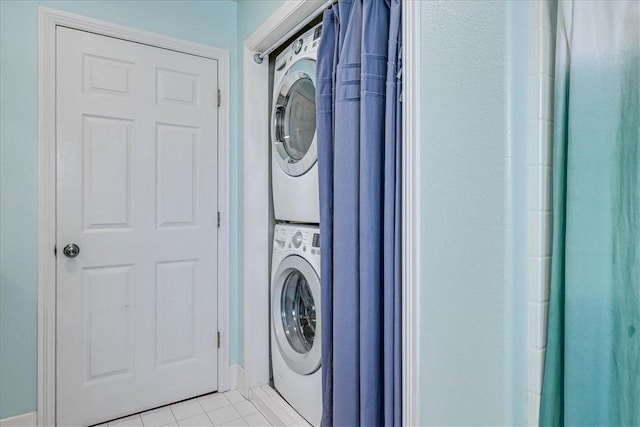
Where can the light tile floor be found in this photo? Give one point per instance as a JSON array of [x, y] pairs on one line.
[[219, 409]]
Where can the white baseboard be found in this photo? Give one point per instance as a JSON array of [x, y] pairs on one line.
[[265, 409], [238, 380], [25, 420], [274, 407]]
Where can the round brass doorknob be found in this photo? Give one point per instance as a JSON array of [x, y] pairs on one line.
[[71, 250]]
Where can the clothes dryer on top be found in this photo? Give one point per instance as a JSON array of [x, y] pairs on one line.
[[293, 132]]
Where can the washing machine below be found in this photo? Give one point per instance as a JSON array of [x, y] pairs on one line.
[[294, 150], [295, 318]]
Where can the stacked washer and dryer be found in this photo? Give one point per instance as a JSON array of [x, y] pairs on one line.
[[295, 279]]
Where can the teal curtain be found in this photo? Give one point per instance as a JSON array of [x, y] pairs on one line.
[[592, 364]]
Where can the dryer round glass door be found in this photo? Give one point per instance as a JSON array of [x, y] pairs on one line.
[[295, 302], [293, 127]]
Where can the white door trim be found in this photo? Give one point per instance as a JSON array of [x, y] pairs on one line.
[[256, 245], [411, 15], [48, 20]]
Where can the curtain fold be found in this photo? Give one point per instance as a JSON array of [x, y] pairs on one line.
[[592, 362], [325, 77], [392, 224], [359, 140]]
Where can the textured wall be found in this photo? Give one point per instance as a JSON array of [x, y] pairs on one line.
[[473, 208]]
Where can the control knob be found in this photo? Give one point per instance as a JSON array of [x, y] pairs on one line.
[[297, 239]]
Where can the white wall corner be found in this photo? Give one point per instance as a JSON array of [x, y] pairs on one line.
[[25, 420], [238, 380], [256, 245]]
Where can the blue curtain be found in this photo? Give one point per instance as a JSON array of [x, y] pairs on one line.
[[592, 364], [359, 142]]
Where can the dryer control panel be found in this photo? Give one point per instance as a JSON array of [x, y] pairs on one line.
[[297, 238], [305, 44]]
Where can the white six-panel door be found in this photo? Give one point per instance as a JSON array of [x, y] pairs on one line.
[[137, 193]]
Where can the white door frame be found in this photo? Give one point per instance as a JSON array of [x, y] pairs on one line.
[[256, 149], [48, 20], [412, 95]]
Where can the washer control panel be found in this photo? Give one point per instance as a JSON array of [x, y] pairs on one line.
[[297, 238]]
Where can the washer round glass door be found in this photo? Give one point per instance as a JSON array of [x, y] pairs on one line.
[[293, 127], [295, 303]]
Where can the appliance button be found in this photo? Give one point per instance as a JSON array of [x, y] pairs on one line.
[[297, 239], [297, 46]]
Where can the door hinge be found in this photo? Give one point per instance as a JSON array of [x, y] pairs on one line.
[[218, 339], [219, 97], [218, 219]]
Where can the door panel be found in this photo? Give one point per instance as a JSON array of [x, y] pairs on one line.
[[137, 192], [108, 327], [177, 149], [106, 174], [175, 308]]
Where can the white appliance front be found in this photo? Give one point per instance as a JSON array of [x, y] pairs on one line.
[[293, 132], [295, 318]]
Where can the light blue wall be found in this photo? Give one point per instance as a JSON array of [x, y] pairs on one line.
[[251, 14], [474, 69], [208, 22]]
